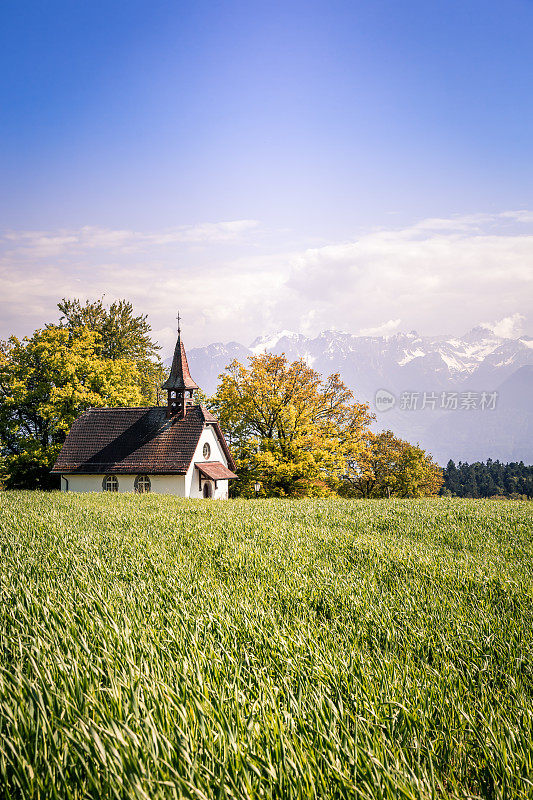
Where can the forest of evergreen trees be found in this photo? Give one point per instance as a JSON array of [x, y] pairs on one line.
[[490, 479]]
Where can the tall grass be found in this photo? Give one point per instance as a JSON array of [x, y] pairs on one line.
[[152, 647]]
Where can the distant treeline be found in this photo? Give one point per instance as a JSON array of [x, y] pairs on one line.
[[490, 479]]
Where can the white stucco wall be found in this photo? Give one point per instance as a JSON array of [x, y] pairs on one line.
[[161, 484], [168, 484]]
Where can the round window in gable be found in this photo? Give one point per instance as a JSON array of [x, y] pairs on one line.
[[206, 451]]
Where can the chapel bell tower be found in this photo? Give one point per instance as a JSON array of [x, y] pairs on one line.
[[179, 384]]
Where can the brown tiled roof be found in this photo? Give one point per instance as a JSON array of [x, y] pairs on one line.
[[134, 440], [214, 470], [208, 416], [180, 377]]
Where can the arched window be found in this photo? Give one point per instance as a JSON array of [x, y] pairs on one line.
[[207, 490], [110, 483], [142, 484], [206, 451]]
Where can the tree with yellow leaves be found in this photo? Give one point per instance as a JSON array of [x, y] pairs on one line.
[[46, 381], [290, 429]]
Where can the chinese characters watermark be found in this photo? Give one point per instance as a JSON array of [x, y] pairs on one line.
[[433, 401]]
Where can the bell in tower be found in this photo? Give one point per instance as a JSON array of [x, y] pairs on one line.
[[179, 384]]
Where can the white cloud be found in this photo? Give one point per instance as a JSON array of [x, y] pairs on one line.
[[43, 244], [385, 329], [438, 276], [522, 215], [508, 328]]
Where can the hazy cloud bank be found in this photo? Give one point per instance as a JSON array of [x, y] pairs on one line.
[[234, 280]]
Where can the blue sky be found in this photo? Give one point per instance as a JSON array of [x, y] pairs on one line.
[[133, 133]]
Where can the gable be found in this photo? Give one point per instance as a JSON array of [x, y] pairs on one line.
[[213, 434]]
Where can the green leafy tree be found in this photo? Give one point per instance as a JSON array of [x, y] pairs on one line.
[[290, 429], [390, 467], [46, 381], [123, 336]]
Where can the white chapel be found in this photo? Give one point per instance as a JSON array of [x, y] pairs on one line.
[[178, 449]]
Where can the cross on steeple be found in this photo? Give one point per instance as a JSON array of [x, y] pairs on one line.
[[178, 319]]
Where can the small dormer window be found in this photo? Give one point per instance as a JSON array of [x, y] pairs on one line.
[[206, 451], [110, 483]]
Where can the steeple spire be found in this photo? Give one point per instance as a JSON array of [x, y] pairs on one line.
[[179, 384]]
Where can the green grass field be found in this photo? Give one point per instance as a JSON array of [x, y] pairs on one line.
[[160, 648]]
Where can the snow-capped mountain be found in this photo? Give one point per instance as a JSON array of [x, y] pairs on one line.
[[405, 365], [368, 363], [270, 344]]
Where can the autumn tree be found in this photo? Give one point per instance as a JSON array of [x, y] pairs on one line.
[[390, 467], [122, 336], [289, 428], [46, 381]]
